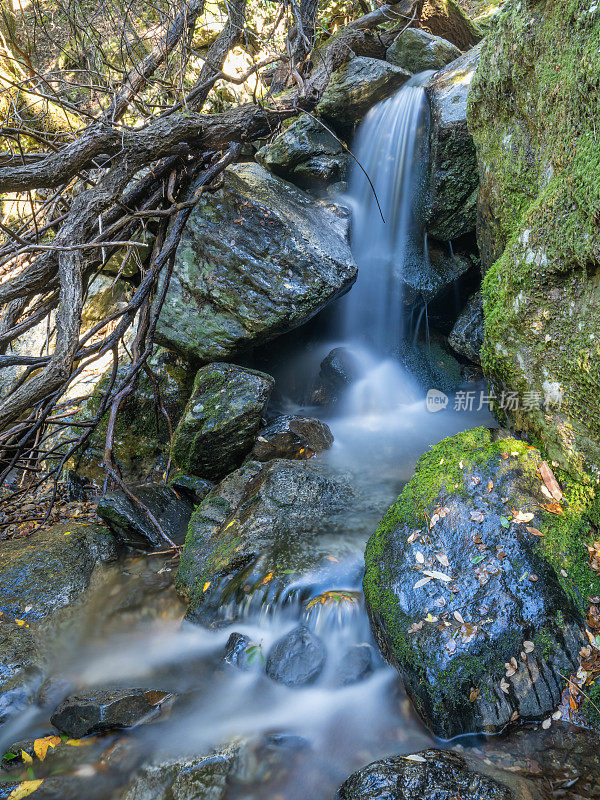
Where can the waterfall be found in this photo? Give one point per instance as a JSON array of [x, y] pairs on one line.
[[388, 236]]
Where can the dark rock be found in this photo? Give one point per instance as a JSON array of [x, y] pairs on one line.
[[292, 437], [67, 787], [356, 86], [416, 50], [297, 659], [19, 673], [356, 665], [466, 337], [262, 520], [339, 369], [434, 282], [76, 486], [236, 649], [191, 486], [435, 775], [454, 178], [103, 710], [54, 690], [518, 630], [221, 419], [130, 524], [200, 778], [256, 259]]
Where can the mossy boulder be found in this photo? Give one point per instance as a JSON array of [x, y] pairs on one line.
[[417, 50], [256, 259], [453, 174], [260, 529], [305, 152], [355, 87], [534, 113], [464, 594], [221, 419]]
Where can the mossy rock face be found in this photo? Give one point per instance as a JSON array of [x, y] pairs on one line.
[[259, 530], [256, 259], [417, 50], [453, 177], [355, 87], [534, 113], [457, 586], [221, 419]]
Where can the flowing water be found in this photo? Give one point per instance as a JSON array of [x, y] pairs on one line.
[[302, 743]]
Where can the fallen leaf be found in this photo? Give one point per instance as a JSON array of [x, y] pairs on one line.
[[474, 694], [523, 516], [26, 758], [528, 646], [421, 582], [550, 481], [443, 559], [416, 626], [534, 531], [415, 757], [505, 686], [40, 746], [557, 715], [440, 576], [490, 486], [546, 723], [458, 617], [24, 789], [206, 587], [332, 558], [477, 516], [420, 557], [267, 578], [553, 508], [81, 742]]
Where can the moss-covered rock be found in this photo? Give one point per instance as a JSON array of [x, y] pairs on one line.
[[417, 50], [256, 259], [355, 87], [535, 115], [221, 419], [458, 583], [453, 177]]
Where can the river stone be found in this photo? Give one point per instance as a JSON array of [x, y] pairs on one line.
[[256, 259], [305, 150], [293, 437], [130, 525], [415, 50], [236, 651], [261, 527], [18, 668], [338, 370], [487, 568], [297, 659], [435, 775], [466, 336], [453, 174], [102, 710], [356, 664], [221, 419], [356, 86]]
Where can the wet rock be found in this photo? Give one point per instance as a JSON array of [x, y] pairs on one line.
[[446, 18], [67, 787], [190, 486], [19, 672], [356, 86], [292, 437], [54, 690], [131, 526], [338, 370], [297, 659], [256, 259], [236, 650], [356, 665], [466, 337], [416, 50], [454, 178], [435, 775], [261, 527], [508, 627], [76, 487], [51, 568], [221, 419], [104, 710], [303, 152], [434, 283]]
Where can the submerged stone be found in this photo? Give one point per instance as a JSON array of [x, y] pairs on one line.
[[339, 369], [256, 259], [417, 50], [462, 599], [357, 664], [297, 659], [453, 174], [435, 775], [221, 419], [130, 524], [292, 437]]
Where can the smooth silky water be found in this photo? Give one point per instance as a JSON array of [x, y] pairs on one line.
[[304, 742]]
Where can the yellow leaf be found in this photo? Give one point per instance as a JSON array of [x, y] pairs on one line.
[[267, 578], [81, 742], [21, 622], [27, 759], [40, 746], [24, 789], [206, 587]]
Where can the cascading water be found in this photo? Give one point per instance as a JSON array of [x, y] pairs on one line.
[[388, 236]]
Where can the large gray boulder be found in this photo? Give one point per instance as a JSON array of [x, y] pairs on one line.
[[462, 588], [436, 775], [454, 178], [256, 259], [259, 529], [417, 50], [221, 419], [305, 152], [355, 87]]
